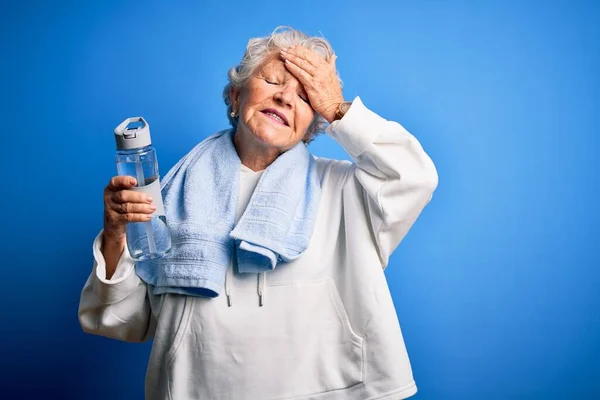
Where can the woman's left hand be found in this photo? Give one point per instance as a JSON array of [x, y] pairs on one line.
[[318, 77]]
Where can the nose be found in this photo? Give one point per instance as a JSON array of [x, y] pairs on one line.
[[285, 96]]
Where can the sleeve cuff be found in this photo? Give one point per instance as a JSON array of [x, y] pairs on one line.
[[123, 282], [357, 129]]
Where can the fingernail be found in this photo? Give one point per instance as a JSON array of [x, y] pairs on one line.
[[149, 199], [152, 207], [132, 182]]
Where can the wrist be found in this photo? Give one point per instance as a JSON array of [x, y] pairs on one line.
[[113, 239], [332, 112], [341, 109]]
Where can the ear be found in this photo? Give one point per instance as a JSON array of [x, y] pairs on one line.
[[234, 96]]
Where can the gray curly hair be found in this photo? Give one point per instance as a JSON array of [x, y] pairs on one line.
[[257, 51]]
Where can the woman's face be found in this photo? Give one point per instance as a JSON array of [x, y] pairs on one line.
[[273, 107]]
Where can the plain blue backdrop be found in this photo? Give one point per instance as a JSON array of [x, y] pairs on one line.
[[497, 284]]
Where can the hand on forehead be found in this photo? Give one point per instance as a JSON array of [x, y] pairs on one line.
[[303, 56], [319, 78]]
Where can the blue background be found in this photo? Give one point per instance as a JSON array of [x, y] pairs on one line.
[[497, 284]]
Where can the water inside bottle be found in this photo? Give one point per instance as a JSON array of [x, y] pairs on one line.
[[145, 240], [129, 167], [143, 248]]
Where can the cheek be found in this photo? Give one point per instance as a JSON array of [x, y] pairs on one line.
[[256, 95], [305, 118], [251, 108]]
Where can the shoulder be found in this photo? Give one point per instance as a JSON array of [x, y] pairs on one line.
[[333, 172]]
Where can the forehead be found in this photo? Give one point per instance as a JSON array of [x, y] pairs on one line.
[[272, 64]]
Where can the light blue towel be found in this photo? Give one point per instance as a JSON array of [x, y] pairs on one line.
[[200, 197]]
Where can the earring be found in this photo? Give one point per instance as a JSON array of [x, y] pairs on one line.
[[233, 114]]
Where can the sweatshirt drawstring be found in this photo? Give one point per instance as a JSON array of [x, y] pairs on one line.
[[261, 287], [228, 283]]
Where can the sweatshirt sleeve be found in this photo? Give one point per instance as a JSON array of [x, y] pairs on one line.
[[397, 178], [118, 308]]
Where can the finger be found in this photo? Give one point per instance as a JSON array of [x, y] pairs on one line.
[[307, 54], [304, 77], [130, 196], [121, 182], [115, 218], [299, 61], [136, 208]]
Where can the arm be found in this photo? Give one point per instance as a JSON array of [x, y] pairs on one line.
[[397, 178], [391, 170], [112, 249], [119, 307]]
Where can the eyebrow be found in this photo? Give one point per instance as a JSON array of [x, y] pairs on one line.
[[279, 69]]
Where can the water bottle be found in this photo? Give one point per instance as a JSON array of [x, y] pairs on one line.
[[137, 158]]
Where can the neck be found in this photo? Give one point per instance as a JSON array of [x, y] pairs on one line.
[[256, 156]]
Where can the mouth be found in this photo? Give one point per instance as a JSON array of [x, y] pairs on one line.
[[276, 116]]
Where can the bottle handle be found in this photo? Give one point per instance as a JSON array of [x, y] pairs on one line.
[[124, 130]]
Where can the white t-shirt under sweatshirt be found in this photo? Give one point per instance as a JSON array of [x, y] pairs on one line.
[[322, 327]]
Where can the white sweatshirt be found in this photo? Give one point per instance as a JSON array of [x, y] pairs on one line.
[[327, 328]]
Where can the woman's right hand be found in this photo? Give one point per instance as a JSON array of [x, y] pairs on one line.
[[122, 206]]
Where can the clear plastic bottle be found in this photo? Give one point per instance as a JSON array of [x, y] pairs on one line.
[[137, 158]]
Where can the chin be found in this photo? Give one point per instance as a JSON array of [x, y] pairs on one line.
[[270, 137]]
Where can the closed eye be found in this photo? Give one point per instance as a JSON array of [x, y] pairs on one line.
[[271, 83], [305, 99]]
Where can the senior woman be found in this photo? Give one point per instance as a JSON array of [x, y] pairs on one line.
[[274, 287]]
